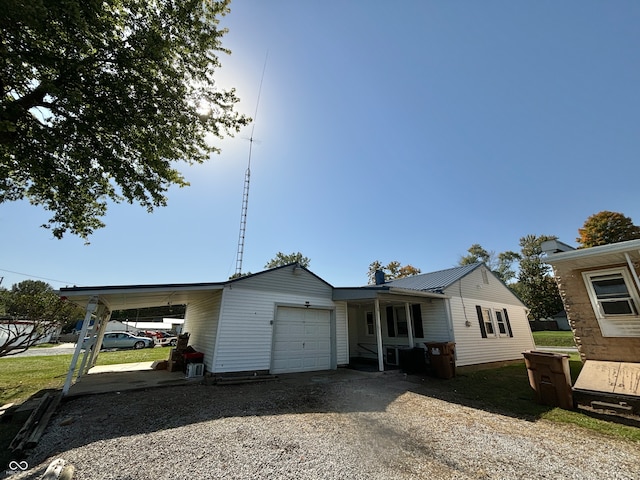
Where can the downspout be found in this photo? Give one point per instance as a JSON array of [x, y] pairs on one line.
[[379, 335], [91, 307]]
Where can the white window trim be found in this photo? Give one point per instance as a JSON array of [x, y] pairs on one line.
[[614, 325], [492, 321], [366, 324], [497, 311], [400, 308]]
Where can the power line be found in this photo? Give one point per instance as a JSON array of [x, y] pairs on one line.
[[39, 278]]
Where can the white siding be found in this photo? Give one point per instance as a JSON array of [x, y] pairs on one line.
[[471, 348], [201, 322], [245, 333], [284, 280]]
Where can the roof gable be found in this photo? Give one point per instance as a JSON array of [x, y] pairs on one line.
[[434, 281]]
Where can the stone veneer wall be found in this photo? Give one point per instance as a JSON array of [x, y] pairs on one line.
[[582, 319]]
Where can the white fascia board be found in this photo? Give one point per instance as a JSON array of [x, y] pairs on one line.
[[417, 293], [585, 253]]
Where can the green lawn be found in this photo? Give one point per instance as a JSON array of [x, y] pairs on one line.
[[554, 339], [21, 377]]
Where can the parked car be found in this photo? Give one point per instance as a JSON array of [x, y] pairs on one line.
[[120, 340], [166, 339]]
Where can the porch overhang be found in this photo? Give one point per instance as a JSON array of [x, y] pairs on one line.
[[380, 292]]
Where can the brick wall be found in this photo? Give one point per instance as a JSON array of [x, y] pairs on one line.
[[582, 319]]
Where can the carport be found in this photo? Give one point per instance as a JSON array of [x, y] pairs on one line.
[[99, 302]]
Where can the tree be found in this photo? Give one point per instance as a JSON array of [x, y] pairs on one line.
[[34, 310], [282, 259], [536, 287], [392, 271], [101, 98], [500, 265], [607, 227]]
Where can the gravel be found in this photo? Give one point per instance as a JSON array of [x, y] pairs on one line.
[[321, 426]]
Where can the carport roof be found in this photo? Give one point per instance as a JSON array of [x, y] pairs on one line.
[[122, 297]]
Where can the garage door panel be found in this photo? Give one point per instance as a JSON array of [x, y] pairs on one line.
[[302, 340]]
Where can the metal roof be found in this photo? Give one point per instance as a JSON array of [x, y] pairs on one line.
[[434, 281]]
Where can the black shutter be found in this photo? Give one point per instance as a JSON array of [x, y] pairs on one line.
[[416, 318], [391, 330], [506, 319], [483, 330]]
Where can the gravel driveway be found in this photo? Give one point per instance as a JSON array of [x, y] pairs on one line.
[[336, 425]]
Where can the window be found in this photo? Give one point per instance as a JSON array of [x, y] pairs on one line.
[[610, 293], [615, 301], [370, 325], [397, 324], [494, 322], [488, 322]]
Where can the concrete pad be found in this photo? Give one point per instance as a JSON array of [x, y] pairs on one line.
[[128, 376]]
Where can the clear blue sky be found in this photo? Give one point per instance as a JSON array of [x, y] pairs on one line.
[[389, 130]]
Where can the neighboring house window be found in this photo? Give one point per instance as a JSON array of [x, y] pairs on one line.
[[397, 321], [494, 322], [615, 301], [370, 323]]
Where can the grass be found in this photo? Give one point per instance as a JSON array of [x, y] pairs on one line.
[[554, 339], [21, 377]]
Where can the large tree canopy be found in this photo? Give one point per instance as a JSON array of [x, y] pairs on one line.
[[607, 227], [101, 98]]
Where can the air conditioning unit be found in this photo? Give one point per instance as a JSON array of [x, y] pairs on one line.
[[195, 370], [392, 356]]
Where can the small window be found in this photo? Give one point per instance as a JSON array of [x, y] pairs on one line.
[[488, 322], [400, 317], [502, 325], [370, 324], [613, 295], [615, 301]]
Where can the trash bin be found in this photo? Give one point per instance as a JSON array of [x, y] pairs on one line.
[[412, 360], [442, 358], [550, 378]]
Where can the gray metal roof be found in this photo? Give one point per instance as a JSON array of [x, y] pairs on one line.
[[434, 281]]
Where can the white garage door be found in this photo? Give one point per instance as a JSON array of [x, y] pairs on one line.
[[302, 340]]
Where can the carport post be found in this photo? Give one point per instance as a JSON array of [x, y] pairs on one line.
[[379, 337], [104, 315], [407, 314], [91, 307]]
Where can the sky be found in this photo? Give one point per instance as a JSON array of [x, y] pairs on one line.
[[385, 131]]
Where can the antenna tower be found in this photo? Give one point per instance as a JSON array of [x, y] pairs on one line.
[[245, 192]]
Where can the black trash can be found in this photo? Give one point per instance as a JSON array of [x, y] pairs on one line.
[[412, 360], [442, 358]]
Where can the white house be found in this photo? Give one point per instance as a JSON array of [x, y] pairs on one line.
[[287, 319]]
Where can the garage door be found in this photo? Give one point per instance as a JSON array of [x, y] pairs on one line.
[[302, 340]]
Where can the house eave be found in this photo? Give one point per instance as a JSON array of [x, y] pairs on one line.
[[596, 256]]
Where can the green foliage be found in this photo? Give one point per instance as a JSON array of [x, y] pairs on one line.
[[536, 287], [392, 271], [500, 265], [35, 311], [100, 100], [607, 227], [282, 259]]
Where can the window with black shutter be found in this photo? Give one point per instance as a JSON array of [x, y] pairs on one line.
[[416, 317]]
